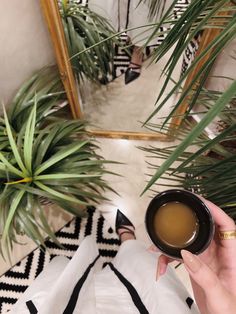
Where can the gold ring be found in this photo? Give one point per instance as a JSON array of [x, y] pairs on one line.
[[227, 235]]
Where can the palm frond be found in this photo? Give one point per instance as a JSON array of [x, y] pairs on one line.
[[83, 29], [195, 132], [197, 17], [203, 165], [200, 162]]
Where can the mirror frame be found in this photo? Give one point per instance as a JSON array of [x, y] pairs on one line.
[[53, 20]]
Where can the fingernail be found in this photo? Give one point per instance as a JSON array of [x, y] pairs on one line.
[[191, 261], [152, 248], [158, 272]]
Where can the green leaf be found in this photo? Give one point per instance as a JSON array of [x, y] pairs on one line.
[[59, 176], [42, 144], [10, 167], [31, 228], [209, 145], [15, 202], [46, 226], [196, 131], [23, 89], [14, 146], [90, 40], [29, 138], [59, 156], [59, 195]]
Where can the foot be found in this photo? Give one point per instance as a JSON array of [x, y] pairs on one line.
[[132, 73], [126, 233], [134, 69], [137, 57], [124, 227]]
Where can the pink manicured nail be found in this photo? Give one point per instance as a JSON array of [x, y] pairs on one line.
[[191, 261], [152, 248], [160, 271]]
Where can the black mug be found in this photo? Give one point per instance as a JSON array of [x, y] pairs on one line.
[[205, 222]]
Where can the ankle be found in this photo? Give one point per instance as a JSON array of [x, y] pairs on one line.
[[137, 55], [126, 233], [126, 236]]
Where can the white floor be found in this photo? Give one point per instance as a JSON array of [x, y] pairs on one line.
[[120, 107]]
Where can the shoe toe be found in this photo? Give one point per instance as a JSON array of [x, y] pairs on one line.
[[122, 220], [131, 75]]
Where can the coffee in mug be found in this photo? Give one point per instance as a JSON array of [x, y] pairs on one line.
[[178, 219], [176, 224]]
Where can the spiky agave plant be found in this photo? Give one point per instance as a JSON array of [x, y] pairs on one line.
[[51, 97], [57, 162]]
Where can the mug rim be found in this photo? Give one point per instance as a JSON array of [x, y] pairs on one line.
[[207, 228]]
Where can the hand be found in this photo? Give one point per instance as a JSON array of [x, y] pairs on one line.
[[212, 273]]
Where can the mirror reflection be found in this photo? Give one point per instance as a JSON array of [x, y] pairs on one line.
[[118, 81]]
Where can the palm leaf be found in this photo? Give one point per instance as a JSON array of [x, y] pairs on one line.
[[85, 29], [14, 146], [211, 144], [9, 167], [50, 92], [182, 34], [59, 195], [28, 140], [59, 156], [15, 202], [156, 7], [196, 131], [62, 176]]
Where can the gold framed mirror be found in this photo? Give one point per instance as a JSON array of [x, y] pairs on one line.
[[52, 15], [51, 12]]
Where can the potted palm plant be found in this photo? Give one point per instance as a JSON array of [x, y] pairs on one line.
[[44, 158], [84, 28], [210, 169]]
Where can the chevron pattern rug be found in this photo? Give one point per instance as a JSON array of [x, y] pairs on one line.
[[15, 281]]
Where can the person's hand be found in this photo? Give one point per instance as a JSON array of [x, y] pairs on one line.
[[212, 273]]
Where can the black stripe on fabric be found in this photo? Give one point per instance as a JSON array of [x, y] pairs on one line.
[[189, 301], [132, 291], [31, 307], [75, 294]]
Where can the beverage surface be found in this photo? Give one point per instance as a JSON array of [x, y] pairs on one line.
[[176, 224]]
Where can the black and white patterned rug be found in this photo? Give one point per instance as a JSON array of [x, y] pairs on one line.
[[15, 281]]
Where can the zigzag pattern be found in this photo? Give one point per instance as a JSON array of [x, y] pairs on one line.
[[15, 281], [122, 58]]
